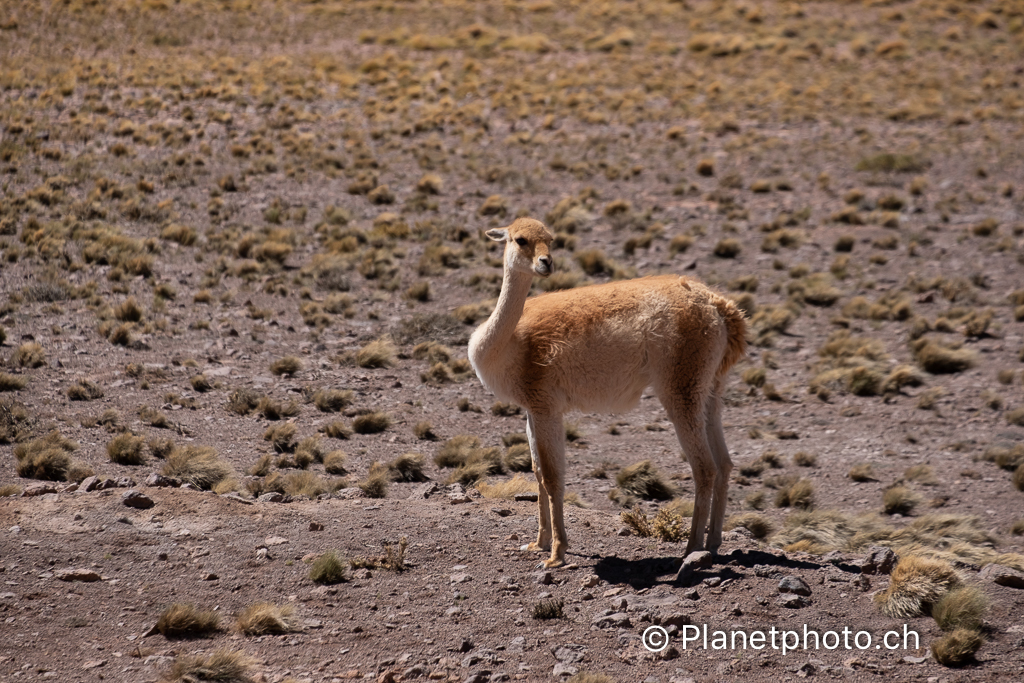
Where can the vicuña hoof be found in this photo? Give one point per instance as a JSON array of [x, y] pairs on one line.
[[535, 547], [553, 563]]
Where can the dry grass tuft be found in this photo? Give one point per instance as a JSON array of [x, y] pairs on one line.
[[305, 485], [375, 485], [281, 437], [9, 490], [805, 459], [334, 463], [329, 568], [44, 458], [548, 609], [961, 608], [9, 382], [957, 647], [266, 618], [938, 358], [863, 472], [507, 490], [127, 449], [424, 431], [590, 677], [332, 400], [244, 401], [408, 467], [197, 465], [224, 666], [336, 430], [518, 458], [756, 524], [456, 450], [798, 494], [182, 620], [377, 354], [288, 365], [84, 390], [642, 479], [900, 500], [915, 585], [29, 355], [371, 423]]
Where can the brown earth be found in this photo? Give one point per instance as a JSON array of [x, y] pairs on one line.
[[268, 128]]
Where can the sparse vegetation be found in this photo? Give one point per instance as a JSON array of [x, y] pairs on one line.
[[127, 449], [643, 480], [266, 618], [328, 568], [183, 620], [197, 465], [227, 666], [915, 585]]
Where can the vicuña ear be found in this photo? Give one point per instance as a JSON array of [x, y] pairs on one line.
[[497, 234]]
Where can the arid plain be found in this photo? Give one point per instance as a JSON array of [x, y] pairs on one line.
[[242, 252]]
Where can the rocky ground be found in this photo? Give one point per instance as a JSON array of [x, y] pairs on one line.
[[194, 192]]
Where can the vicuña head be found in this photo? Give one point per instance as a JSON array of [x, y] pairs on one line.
[[597, 349]]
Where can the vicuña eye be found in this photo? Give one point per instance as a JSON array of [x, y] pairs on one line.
[[521, 241]]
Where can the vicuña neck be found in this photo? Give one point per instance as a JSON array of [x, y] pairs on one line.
[[498, 329]]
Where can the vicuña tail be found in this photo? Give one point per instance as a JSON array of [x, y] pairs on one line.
[[736, 327]]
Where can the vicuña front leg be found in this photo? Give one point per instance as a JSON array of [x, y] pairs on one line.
[[543, 541], [547, 445]]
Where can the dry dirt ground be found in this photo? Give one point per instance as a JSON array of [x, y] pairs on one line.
[[193, 191]]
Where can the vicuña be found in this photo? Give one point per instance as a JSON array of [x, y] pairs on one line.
[[596, 349]]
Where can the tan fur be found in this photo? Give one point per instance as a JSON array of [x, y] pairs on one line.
[[596, 349]]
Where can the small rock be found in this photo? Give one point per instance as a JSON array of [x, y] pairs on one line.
[[275, 540], [89, 484], [124, 483], [501, 512], [591, 581], [156, 479], [136, 499], [41, 489], [701, 559], [915, 660], [615, 619], [624, 531], [561, 670], [237, 497], [570, 653], [792, 601], [84, 575], [94, 664], [691, 594], [525, 497], [316, 526], [425, 491], [1003, 576], [272, 497], [795, 585], [461, 577], [210, 577], [459, 498], [878, 561], [767, 572], [362, 574], [713, 581], [544, 578]]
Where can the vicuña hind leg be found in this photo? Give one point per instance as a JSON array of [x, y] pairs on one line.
[[723, 467], [547, 445], [543, 541], [690, 430]]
